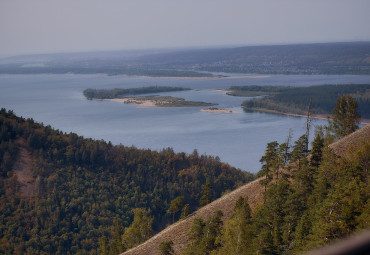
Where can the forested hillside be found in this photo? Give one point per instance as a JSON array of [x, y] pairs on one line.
[[317, 200], [311, 197], [297, 99], [61, 193]]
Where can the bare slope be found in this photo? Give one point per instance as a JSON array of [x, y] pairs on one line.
[[178, 232], [23, 170], [351, 142]]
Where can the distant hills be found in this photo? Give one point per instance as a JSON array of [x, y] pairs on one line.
[[319, 58]]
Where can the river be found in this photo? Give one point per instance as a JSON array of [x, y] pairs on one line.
[[238, 139]]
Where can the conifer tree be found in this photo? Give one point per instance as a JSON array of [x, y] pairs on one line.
[[140, 229], [345, 117], [165, 248], [206, 197], [238, 233], [270, 163], [175, 206], [185, 211], [317, 146]]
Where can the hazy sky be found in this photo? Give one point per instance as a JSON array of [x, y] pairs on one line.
[[39, 26]]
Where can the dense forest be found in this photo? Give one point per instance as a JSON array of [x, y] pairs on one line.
[[297, 99], [119, 93], [319, 58], [311, 198], [83, 193]]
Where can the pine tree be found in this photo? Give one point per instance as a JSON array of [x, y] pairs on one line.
[[185, 211], [206, 197], [238, 233], [269, 163], [165, 248], [345, 117], [317, 146], [175, 206], [139, 231]]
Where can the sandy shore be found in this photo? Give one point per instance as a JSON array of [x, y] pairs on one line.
[[130, 100], [217, 110]]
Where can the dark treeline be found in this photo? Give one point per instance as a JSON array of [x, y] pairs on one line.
[[297, 99], [103, 68], [83, 188], [119, 93]]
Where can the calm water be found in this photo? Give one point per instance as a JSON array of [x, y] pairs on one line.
[[239, 139]]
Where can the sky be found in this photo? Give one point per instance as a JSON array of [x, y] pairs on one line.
[[48, 26]]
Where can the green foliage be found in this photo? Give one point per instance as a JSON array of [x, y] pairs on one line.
[[296, 99], [85, 190], [139, 231], [185, 211], [237, 234], [317, 147], [175, 206], [345, 117], [206, 197], [165, 248], [270, 163], [325, 199], [120, 93], [203, 235]]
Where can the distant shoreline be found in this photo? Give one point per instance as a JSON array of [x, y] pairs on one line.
[[200, 77], [314, 116]]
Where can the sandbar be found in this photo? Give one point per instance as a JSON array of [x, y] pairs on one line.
[[131, 100], [219, 110]]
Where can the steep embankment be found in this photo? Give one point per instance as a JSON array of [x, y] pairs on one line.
[[178, 232], [351, 142]]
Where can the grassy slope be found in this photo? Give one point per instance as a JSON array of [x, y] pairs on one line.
[[178, 232], [254, 190]]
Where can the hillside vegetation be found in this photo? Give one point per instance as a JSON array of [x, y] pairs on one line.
[[62, 193], [296, 99], [306, 200]]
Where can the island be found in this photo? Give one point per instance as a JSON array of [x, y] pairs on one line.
[[121, 93], [219, 110], [296, 100], [159, 101]]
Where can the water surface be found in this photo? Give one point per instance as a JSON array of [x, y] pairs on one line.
[[238, 139]]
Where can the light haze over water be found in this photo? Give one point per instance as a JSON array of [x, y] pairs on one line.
[[238, 139]]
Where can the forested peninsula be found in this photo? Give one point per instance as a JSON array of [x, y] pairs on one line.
[[296, 100], [64, 194]]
